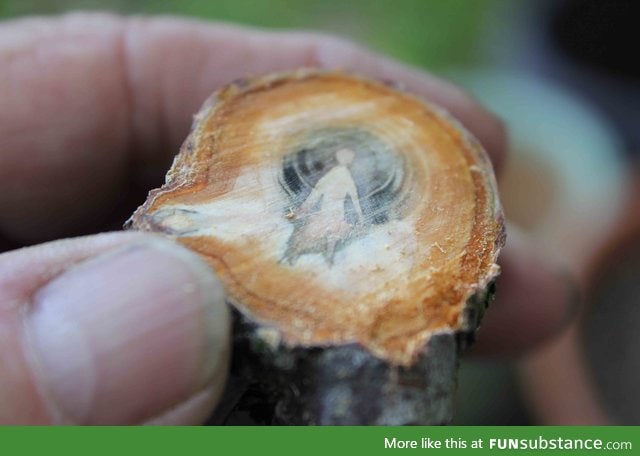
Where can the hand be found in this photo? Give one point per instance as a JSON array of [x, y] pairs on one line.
[[126, 327]]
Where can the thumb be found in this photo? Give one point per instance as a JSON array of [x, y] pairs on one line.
[[116, 328]]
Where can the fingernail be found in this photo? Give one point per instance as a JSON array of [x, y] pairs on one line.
[[126, 335]]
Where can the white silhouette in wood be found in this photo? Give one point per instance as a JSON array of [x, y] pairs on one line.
[[320, 222]]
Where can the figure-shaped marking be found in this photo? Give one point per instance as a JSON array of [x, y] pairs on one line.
[[340, 182], [324, 212]]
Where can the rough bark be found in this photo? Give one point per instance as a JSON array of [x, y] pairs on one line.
[[343, 385]]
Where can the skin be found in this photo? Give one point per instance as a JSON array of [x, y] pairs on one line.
[[123, 327]]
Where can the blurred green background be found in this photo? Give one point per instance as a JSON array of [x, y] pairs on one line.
[[430, 33]]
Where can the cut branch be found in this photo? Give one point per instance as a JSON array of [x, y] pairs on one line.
[[356, 231]]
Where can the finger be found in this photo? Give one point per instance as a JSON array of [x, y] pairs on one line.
[[534, 301], [193, 411], [208, 56], [90, 99], [568, 397], [110, 329]]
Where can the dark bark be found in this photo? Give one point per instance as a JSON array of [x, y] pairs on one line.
[[345, 384]]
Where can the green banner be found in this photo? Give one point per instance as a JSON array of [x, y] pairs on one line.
[[326, 441]]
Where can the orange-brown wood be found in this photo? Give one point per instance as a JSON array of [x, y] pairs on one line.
[[335, 209]]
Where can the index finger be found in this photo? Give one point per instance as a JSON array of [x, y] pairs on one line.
[[93, 102]]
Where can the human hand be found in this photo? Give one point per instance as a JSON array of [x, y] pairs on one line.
[[123, 327]]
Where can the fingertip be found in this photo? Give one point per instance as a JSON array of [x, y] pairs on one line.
[[128, 334]]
